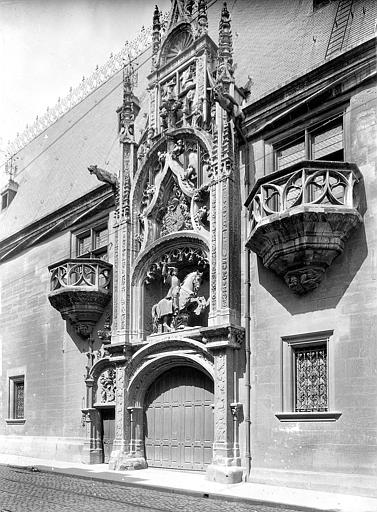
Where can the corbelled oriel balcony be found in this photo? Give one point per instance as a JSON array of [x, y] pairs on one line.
[[301, 217], [80, 290]]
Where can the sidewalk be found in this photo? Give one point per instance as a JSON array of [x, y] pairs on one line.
[[195, 483]]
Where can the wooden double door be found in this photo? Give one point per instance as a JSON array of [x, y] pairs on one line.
[[179, 420]]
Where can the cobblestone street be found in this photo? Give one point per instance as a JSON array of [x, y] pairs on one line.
[[22, 490]]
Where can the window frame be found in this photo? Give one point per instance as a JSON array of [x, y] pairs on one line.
[[307, 132], [13, 381], [289, 344], [91, 229]]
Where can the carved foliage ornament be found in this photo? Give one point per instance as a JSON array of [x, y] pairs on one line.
[[177, 256]]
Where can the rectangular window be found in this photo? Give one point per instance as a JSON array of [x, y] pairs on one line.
[[291, 153], [92, 242], [17, 397], [310, 378], [322, 141], [306, 374]]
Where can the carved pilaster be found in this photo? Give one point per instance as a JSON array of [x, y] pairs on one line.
[[122, 227], [223, 342], [128, 446], [92, 451], [122, 422]]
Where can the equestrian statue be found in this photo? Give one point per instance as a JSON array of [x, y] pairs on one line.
[[181, 302]]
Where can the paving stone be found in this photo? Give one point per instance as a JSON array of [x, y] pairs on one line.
[[22, 490]]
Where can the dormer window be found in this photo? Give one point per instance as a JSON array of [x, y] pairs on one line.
[[8, 194]]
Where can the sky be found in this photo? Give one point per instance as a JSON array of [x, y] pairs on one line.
[[46, 46]]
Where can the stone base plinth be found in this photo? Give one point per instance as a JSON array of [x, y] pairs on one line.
[[224, 474], [91, 456], [125, 461]]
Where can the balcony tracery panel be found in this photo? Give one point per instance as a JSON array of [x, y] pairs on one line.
[[300, 218]]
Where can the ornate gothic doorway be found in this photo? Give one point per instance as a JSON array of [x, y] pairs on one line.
[[179, 420]]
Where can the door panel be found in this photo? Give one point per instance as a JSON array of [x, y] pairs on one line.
[[108, 432], [179, 416]]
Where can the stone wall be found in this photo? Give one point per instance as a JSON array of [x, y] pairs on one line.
[[345, 302], [34, 339]]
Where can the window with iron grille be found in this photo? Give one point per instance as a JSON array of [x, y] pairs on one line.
[[322, 141], [310, 378], [17, 397], [92, 242], [306, 374]]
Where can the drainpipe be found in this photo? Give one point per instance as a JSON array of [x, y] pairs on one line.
[[247, 361], [247, 326]]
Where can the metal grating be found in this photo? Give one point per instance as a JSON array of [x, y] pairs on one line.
[[311, 379]]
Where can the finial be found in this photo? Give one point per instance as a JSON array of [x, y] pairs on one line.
[[225, 60], [202, 17], [156, 35]]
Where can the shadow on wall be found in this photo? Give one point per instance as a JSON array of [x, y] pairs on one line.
[[334, 285]]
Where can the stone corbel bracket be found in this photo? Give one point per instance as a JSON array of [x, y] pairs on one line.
[[223, 336]]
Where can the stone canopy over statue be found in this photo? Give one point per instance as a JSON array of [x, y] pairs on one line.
[[181, 305]]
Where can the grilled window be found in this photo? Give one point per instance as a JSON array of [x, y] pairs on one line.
[[19, 388], [311, 379], [17, 397]]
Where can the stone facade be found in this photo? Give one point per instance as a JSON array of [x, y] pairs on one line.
[[240, 250]]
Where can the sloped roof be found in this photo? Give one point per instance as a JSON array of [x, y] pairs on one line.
[[279, 40], [274, 42], [52, 169]]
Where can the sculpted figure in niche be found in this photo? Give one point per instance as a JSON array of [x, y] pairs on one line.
[[178, 149], [107, 386], [187, 78], [147, 195], [180, 303], [190, 176], [201, 216]]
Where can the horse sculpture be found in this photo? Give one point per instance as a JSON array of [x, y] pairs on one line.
[[182, 302]]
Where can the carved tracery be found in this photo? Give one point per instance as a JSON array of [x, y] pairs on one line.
[[176, 44]]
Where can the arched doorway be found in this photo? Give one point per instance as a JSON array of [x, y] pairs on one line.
[[179, 420]]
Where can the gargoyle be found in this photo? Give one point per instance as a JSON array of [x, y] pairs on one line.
[[105, 176], [229, 104]]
